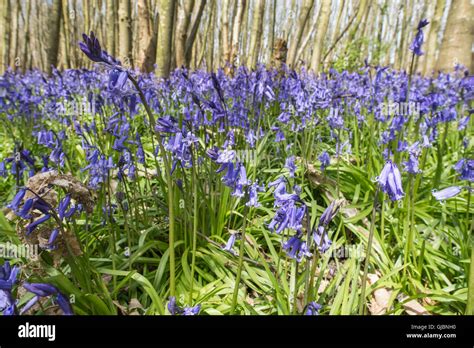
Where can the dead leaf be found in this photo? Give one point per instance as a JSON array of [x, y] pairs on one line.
[[413, 307], [380, 297]]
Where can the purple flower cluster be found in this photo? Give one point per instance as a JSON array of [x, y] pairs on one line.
[[174, 309]]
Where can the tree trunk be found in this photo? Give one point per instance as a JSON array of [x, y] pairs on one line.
[[65, 18], [193, 29], [3, 34], [110, 19], [165, 35], [225, 32], [236, 30], [256, 36], [54, 21], [323, 21], [302, 20], [145, 53], [458, 37], [13, 9], [246, 30], [184, 15], [337, 28], [271, 36], [429, 58], [125, 43]]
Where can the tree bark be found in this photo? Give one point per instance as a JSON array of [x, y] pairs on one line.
[[3, 34], [256, 35], [146, 50], [13, 26], [193, 29], [225, 32], [236, 30], [53, 35], [302, 20], [110, 19], [165, 35], [323, 21], [184, 13], [65, 18], [458, 37], [125, 43]]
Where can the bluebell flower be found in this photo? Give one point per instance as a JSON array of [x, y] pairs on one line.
[[329, 213], [174, 309], [465, 167], [63, 206], [31, 227], [325, 160], [52, 240], [91, 48], [390, 181], [296, 248], [166, 124], [45, 290], [290, 165], [253, 195], [15, 203], [446, 193], [8, 276], [230, 243], [226, 156], [3, 170], [319, 233], [411, 166], [419, 37], [118, 76], [464, 122], [279, 221], [192, 310], [24, 213], [313, 308]]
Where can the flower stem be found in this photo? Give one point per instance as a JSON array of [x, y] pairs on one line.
[[168, 182], [367, 257], [470, 287], [195, 226], [241, 262]]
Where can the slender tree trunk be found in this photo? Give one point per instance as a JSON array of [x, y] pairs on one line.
[[409, 32], [337, 29], [3, 34], [125, 43], [458, 37], [225, 31], [165, 35], [246, 31], [256, 35], [320, 35], [302, 20], [65, 18], [145, 52], [193, 29], [207, 38], [236, 30], [110, 18], [271, 36], [429, 58], [13, 10], [54, 22], [85, 12], [182, 22], [308, 35]]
